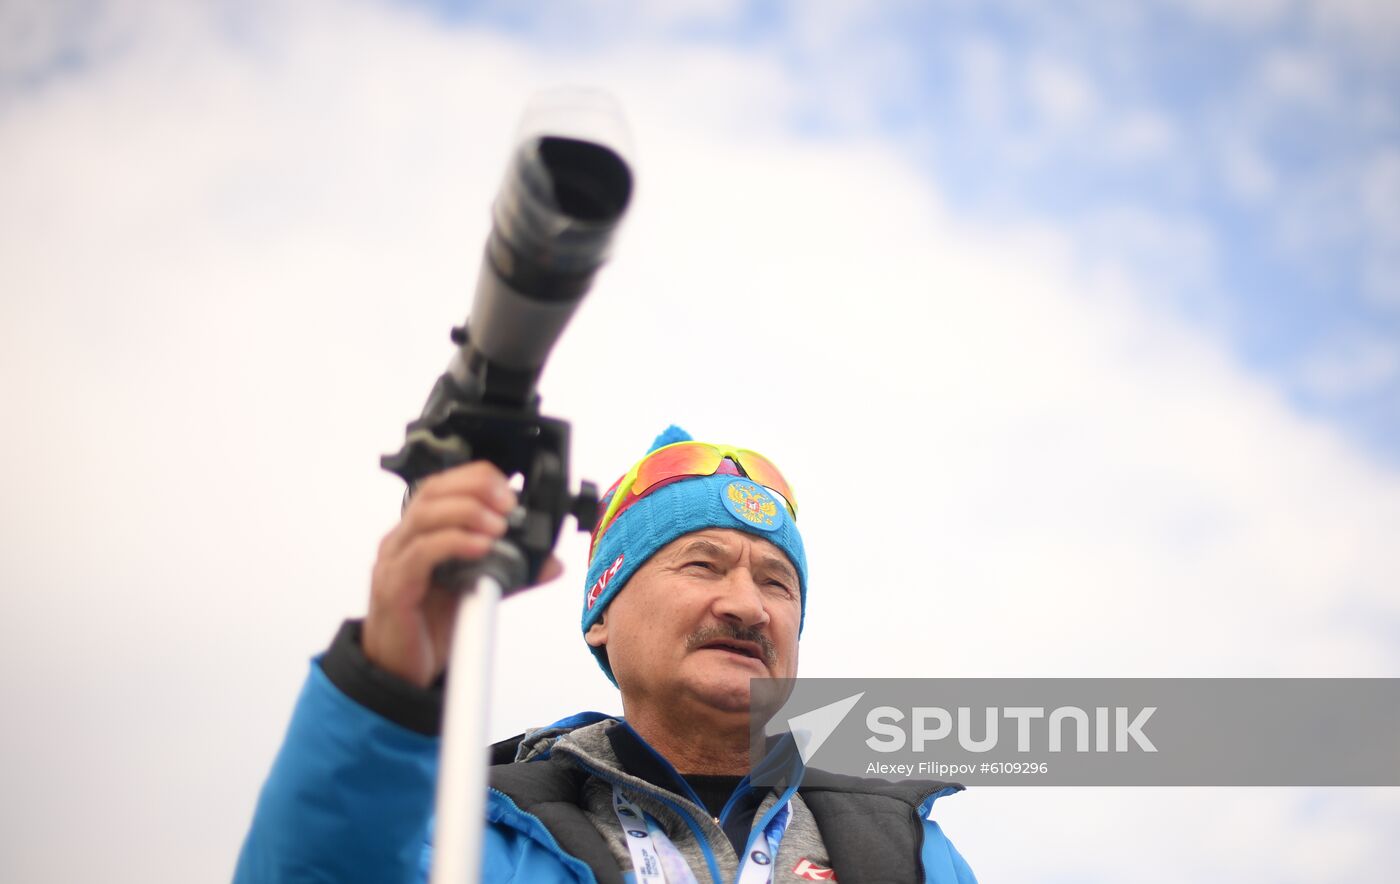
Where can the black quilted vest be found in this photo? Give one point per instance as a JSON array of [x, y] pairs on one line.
[[872, 829]]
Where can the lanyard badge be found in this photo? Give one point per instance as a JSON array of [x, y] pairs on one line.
[[655, 860], [649, 846], [758, 865]]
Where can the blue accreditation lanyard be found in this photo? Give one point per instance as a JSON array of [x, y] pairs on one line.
[[655, 860]]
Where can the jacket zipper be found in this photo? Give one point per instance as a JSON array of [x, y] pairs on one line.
[[729, 805], [919, 816]]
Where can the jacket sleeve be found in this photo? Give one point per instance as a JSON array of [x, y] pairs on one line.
[[349, 797], [941, 860]]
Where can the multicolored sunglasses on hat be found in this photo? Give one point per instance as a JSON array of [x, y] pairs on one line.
[[684, 460]]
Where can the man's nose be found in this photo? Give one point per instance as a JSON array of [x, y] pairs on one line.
[[741, 600]]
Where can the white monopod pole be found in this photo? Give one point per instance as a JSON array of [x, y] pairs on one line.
[[567, 190], [462, 765]]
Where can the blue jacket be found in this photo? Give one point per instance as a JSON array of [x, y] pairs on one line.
[[350, 798]]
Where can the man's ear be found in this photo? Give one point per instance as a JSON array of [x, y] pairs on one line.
[[597, 634]]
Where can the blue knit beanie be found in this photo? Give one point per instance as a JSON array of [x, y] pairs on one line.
[[669, 512]]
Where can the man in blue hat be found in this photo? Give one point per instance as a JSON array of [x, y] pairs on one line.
[[703, 538]]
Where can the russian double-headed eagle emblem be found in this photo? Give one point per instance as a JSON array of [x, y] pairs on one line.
[[752, 504]]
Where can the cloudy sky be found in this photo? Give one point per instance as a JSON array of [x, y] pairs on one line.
[[1076, 327]]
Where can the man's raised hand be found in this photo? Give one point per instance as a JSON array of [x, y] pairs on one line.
[[456, 514]]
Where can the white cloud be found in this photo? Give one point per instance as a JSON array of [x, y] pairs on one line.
[[1247, 14], [665, 14], [1137, 135], [1380, 277], [1376, 111], [1248, 174], [1178, 256], [1297, 77], [1379, 184], [32, 33], [229, 267], [1060, 92], [984, 81], [1370, 28], [1352, 364], [1380, 194]]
